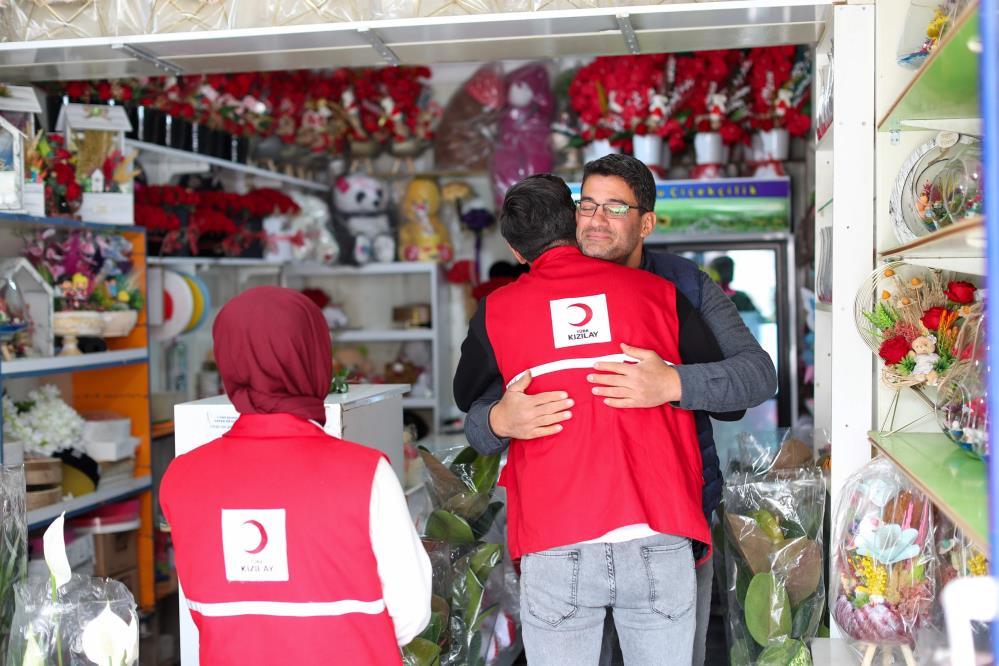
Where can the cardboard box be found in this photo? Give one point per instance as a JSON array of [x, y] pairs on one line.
[[131, 580], [115, 552]]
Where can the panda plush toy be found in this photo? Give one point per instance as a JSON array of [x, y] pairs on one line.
[[362, 220]]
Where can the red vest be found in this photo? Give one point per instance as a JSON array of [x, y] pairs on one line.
[[609, 467], [270, 533]]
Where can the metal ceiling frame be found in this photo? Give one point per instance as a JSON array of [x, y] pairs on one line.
[[681, 26]]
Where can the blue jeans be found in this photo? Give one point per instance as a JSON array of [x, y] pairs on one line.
[[649, 585]]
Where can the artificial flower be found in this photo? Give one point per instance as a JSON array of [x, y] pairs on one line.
[[960, 292], [107, 639], [888, 544], [54, 546], [931, 318], [893, 350]]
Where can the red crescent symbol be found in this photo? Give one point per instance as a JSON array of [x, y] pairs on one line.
[[263, 537], [587, 314]]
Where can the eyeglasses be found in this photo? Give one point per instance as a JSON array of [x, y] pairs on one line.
[[611, 210]]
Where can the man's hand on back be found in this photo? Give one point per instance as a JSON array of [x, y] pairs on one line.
[[648, 383], [521, 416]]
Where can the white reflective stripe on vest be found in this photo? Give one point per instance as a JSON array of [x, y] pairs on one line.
[[287, 608], [574, 364]]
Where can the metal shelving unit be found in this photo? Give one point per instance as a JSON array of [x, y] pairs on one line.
[[176, 155], [79, 505], [38, 367]]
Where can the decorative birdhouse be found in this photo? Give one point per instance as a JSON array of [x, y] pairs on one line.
[[25, 308], [11, 168], [18, 104], [95, 134]]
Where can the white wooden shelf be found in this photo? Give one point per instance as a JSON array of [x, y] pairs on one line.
[[186, 155], [35, 367], [384, 335], [959, 247], [388, 268], [419, 403], [221, 262], [682, 26], [74, 507]]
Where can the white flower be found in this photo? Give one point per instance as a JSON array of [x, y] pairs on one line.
[[108, 640], [33, 655], [54, 544]]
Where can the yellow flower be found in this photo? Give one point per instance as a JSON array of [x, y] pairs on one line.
[[978, 566], [123, 296]]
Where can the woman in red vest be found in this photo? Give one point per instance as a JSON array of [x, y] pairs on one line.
[[292, 546]]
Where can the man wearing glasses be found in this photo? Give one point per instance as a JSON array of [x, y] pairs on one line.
[[614, 216]]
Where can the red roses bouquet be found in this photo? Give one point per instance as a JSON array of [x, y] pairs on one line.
[[63, 194], [781, 78], [913, 320]]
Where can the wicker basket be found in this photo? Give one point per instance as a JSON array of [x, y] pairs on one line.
[[119, 323]]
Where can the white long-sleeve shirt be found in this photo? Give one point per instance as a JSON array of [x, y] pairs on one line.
[[403, 565]]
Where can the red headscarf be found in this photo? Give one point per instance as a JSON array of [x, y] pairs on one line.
[[273, 351]]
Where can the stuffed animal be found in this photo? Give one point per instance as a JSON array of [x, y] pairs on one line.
[[361, 206], [422, 236], [306, 237], [523, 146], [924, 353]]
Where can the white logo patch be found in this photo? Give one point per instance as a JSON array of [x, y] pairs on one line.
[[581, 320], [255, 545]]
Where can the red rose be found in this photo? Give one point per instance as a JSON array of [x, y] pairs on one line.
[[104, 91], [931, 318], [126, 94], [64, 173], [73, 192], [960, 292], [893, 350]]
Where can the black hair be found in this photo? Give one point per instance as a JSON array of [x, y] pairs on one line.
[[538, 214], [724, 265], [629, 169]]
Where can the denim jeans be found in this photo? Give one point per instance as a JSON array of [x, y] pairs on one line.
[[649, 584]]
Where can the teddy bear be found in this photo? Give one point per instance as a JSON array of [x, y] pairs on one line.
[[306, 236], [422, 235], [923, 352], [361, 206]]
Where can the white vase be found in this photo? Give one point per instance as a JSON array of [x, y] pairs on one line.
[[597, 149], [648, 148], [709, 148], [774, 148], [667, 158]]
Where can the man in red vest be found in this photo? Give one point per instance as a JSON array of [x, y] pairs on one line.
[[602, 513], [292, 546]]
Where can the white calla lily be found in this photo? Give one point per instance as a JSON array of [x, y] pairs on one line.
[[107, 639], [33, 655], [54, 543]]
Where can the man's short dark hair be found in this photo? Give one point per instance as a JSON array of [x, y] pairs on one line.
[[538, 214], [632, 171]]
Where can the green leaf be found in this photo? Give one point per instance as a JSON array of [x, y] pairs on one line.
[[421, 652], [475, 657], [434, 628], [467, 505], [466, 456], [448, 527], [473, 600], [485, 473], [484, 615], [485, 521], [443, 483], [484, 559]]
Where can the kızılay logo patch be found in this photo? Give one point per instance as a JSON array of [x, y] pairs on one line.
[[580, 320]]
